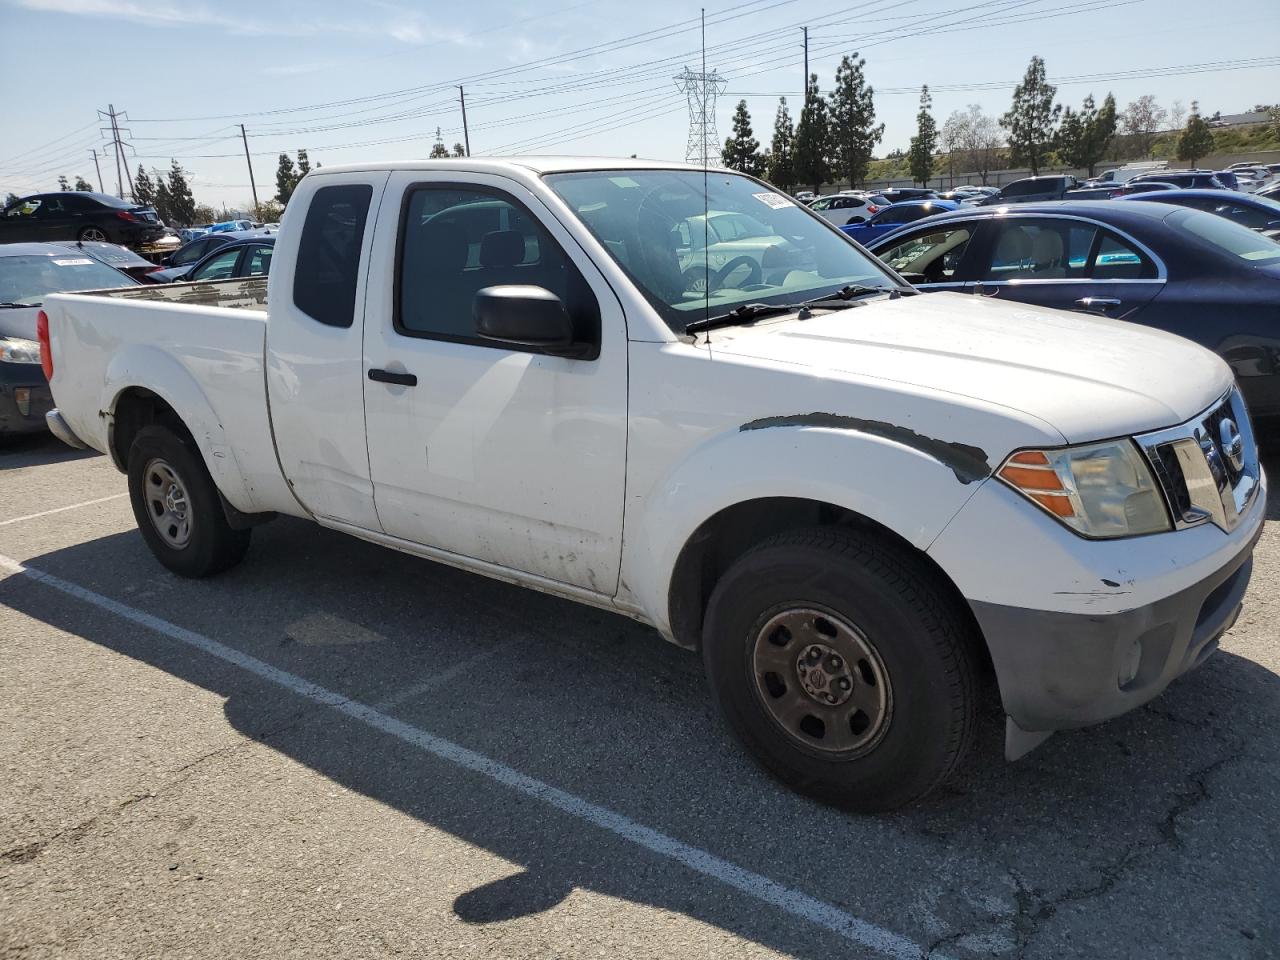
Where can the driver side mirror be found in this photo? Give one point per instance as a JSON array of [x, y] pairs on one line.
[[527, 316]]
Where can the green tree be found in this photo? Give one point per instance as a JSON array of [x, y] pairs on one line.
[[1196, 139], [742, 150], [267, 211], [812, 157], [459, 150], [286, 178], [854, 131], [144, 189], [206, 214], [182, 203], [1140, 121], [1082, 138], [304, 165], [11, 198], [781, 170], [83, 185], [63, 184], [925, 142], [1031, 119], [438, 149]]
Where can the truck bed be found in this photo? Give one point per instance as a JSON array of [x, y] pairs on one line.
[[197, 346]]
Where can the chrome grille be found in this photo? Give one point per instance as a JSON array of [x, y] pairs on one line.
[[1208, 466]]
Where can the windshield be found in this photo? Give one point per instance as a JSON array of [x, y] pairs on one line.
[[1229, 237], [27, 280], [692, 257]]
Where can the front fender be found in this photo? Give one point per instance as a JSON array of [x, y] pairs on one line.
[[150, 368], [900, 483]]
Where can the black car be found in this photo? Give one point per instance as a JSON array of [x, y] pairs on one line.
[[1248, 210], [79, 215], [1177, 269], [1184, 179], [1032, 190], [898, 194], [247, 257], [179, 264]]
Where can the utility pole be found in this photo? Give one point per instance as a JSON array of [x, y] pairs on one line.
[[97, 167], [704, 101], [245, 137], [806, 68], [117, 147], [466, 137]]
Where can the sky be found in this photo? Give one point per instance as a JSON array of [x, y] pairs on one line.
[[359, 81]]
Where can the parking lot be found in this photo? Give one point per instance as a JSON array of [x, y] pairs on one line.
[[337, 750]]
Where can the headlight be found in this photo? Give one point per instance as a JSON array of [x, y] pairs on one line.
[[13, 350], [1098, 490]]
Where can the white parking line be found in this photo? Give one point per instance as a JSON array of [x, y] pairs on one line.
[[412, 692], [788, 899], [74, 506]]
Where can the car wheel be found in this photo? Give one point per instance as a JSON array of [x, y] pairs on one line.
[[177, 506], [844, 666], [92, 235]]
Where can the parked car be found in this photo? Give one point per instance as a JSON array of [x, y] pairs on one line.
[[231, 226], [961, 194], [1091, 193], [28, 273], [1252, 211], [114, 255], [898, 194], [1271, 191], [1032, 190], [243, 257], [187, 234], [79, 215], [892, 217], [179, 263], [1185, 179], [843, 208], [845, 512], [1127, 172], [1230, 180], [1141, 186], [1185, 271]]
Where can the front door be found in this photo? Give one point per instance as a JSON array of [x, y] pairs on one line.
[[486, 449], [1068, 264]]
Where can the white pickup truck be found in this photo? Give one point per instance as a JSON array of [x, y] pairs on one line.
[[854, 501]]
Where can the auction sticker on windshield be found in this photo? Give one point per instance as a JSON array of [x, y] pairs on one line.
[[774, 201], [82, 262]]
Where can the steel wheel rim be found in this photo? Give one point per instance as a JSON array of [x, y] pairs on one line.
[[168, 506], [821, 681], [93, 235]]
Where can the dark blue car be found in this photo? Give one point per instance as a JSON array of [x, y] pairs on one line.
[[892, 217], [1183, 270], [249, 255], [1248, 210]]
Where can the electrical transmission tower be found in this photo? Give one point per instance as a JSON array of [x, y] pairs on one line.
[[701, 88]]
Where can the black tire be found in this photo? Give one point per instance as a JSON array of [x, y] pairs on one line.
[[917, 635], [211, 545]]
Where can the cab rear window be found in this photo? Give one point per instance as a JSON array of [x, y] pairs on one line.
[[328, 264]]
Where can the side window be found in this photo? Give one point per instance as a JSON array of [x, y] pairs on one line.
[[455, 241], [328, 265], [24, 210], [1117, 260], [191, 253], [1021, 188], [258, 263], [930, 257], [1040, 250], [219, 267]]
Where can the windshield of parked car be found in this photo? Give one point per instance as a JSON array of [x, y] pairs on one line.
[[1228, 236], [26, 280], [693, 255]]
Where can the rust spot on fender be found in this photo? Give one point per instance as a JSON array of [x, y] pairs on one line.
[[968, 463]]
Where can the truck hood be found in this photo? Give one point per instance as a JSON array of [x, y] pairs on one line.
[[1088, 378]]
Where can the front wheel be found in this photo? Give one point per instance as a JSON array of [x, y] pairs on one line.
[[844, 666], [92, 235], [177, 506]]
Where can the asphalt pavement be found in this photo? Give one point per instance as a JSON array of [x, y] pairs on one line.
[[337, 750]]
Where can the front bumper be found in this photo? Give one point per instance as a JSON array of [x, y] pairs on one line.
[[1058, 670], [24, 398]]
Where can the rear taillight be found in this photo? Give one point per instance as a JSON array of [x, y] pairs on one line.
[[126, 215], [46, 354], [872, 208]]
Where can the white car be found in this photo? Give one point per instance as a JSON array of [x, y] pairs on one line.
[[847, 497], [844, 208]]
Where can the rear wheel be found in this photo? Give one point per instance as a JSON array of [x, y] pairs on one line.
[[844, 666], [177, 506], [92, 235]]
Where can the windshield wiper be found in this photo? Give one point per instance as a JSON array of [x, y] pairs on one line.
[[747, 312]]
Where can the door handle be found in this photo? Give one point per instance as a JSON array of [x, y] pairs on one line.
[[1098, 303], [390, 376]]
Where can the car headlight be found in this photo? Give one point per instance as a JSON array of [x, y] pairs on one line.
[[1098, 489], [14, 350]]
